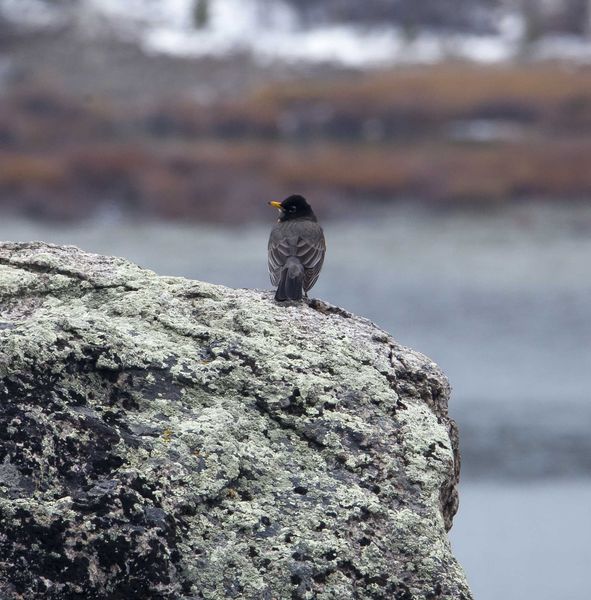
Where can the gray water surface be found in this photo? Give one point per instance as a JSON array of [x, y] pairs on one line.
[[525, 542]]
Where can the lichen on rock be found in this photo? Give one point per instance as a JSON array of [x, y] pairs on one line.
[[172, 439]]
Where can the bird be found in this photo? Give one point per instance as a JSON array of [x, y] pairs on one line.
[[296, 249]]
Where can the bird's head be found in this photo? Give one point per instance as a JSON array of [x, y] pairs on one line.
[[294, 207]]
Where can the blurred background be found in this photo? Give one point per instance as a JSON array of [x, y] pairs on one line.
[[445, 145]]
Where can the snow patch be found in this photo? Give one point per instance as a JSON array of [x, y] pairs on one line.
[[272, 30]]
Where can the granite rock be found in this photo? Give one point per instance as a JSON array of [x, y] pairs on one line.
[[172, 439]]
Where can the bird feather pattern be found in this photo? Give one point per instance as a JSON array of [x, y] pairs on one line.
[[302, 239]]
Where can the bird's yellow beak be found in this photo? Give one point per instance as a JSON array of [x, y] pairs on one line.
[[276, 205]]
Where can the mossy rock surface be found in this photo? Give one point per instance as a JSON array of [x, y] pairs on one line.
[[171, 439]]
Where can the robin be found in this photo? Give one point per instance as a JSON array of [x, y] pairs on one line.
[[296, 249]]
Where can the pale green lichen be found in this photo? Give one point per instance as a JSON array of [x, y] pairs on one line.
[[255, 450]]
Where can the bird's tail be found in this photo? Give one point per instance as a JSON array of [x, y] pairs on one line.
[[292, 279]]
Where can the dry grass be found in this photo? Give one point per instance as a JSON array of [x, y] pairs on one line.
[[444, 90], [444, 172], [184, 160], [19, 170]]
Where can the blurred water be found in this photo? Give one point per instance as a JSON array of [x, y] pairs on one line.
[[502, 301], [525, 542]]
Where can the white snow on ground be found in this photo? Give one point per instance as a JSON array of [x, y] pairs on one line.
[[271, 30], [343, 44]]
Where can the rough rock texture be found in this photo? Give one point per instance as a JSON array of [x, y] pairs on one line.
[[166, 438]]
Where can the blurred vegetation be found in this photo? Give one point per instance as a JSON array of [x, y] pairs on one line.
[[450, 134]]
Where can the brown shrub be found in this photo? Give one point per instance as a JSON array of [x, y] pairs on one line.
[[18, 171], [382, 135]]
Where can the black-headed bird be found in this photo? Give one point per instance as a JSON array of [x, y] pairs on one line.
[[296, 249]]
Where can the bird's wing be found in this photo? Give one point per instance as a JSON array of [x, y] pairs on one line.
[[306, 243], [311, 253], [280, 249]]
